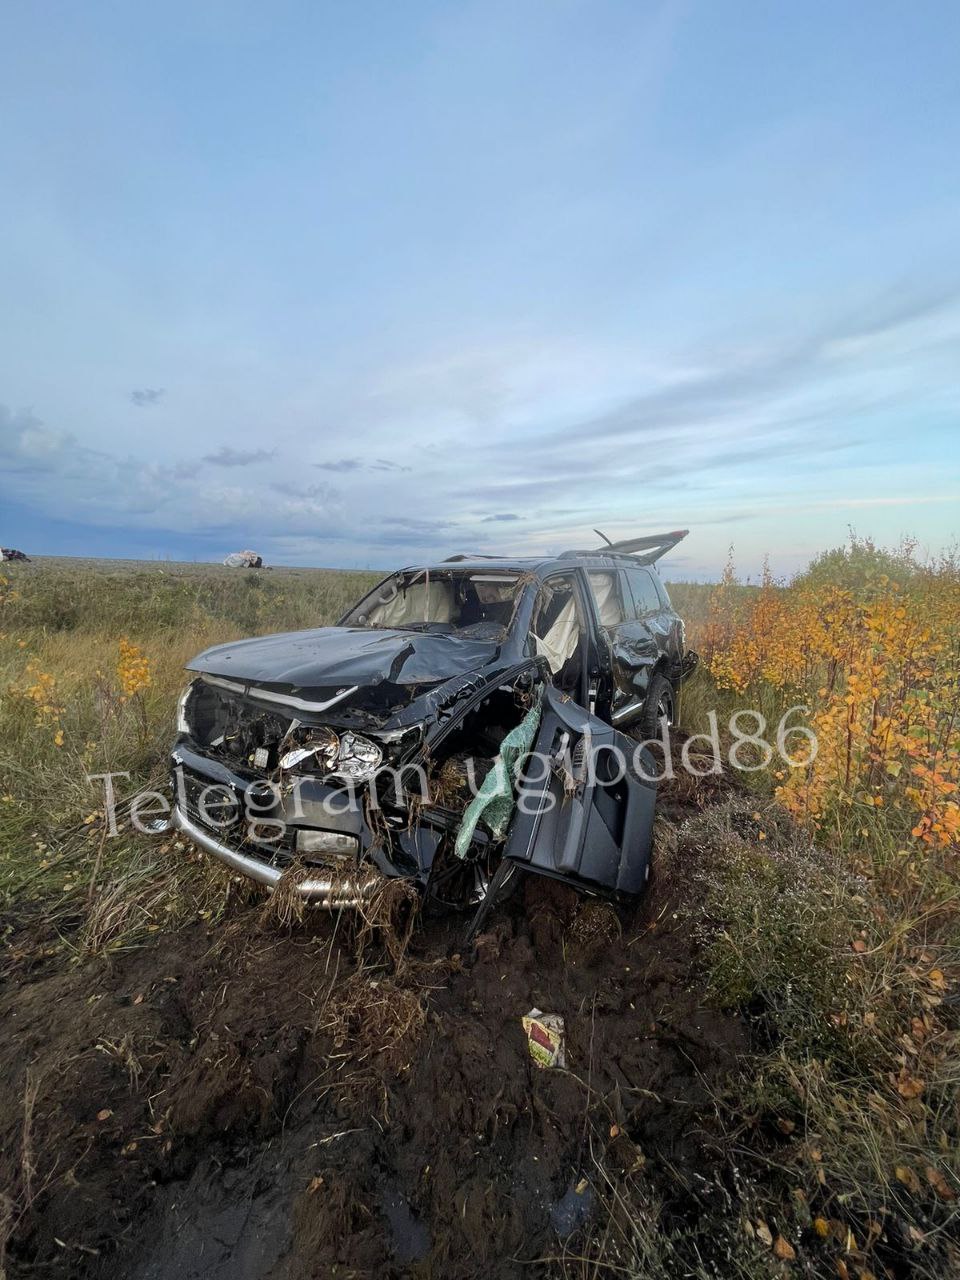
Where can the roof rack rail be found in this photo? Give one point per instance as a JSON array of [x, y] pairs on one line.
[[643, 550]]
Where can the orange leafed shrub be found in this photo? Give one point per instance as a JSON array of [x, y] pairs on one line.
[[133, 669], [879, 669]]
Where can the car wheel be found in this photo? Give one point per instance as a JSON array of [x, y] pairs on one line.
[[659, 704]]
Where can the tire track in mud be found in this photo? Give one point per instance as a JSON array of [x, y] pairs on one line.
[[246, 1102]]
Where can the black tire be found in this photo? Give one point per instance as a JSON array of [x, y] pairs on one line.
[[660, 701]]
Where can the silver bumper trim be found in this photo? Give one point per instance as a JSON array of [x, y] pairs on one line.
[[324, 891], [284, 699]]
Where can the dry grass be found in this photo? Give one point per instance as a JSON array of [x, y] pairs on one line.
[[28, 1167], [285, 906], [845, 1122], [839, 939], [376, 1017], [374, 1024], [73, 703], [389, 916], [17, 1199]]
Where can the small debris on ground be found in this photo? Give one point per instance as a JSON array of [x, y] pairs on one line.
[[544, 1033], [573, 1209]]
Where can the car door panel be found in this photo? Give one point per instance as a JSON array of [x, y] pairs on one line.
[[583, 812]]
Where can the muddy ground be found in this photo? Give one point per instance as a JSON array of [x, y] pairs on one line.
[[250, 1101]]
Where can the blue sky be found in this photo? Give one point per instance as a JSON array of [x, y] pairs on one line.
[[361, 284]]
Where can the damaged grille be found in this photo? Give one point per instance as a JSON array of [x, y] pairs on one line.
[[221, 810], [230, 728], [233, 728]]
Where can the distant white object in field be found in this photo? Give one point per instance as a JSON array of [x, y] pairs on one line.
[[243, 560]]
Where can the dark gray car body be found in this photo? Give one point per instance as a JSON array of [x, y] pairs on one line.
[[411, 692]]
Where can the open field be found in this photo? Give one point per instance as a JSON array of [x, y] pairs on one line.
[[762, 1061]]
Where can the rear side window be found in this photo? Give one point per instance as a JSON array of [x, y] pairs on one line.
[[645, 597], [606, 593]]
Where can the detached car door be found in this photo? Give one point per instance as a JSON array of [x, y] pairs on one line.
[[584, 808]]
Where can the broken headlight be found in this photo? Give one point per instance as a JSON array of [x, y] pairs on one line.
[[359, 758], [321, 746], [183, 718], [350, 755]]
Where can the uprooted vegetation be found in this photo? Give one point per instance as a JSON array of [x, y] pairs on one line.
[[761, 1056]]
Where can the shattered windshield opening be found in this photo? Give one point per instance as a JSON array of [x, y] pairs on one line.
[[441, 601]]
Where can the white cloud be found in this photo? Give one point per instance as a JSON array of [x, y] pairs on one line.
[[534, 450]]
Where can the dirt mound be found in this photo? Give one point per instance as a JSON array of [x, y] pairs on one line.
[[291, 1101]]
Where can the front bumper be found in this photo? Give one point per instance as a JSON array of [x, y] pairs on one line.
[[323, 889], [408, 851]]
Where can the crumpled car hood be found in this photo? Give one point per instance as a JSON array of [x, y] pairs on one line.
[[305, 660]]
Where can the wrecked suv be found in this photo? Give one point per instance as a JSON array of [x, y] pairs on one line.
[[462, 722]]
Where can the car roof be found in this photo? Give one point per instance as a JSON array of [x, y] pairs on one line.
[[480, 563]]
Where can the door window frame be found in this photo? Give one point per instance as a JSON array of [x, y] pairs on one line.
[[583, 604]]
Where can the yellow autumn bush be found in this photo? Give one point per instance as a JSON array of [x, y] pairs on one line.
[[133, 669], [878, 666]]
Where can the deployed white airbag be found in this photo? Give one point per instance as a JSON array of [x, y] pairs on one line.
[[560, 642], [604, 590], [421, 602]]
